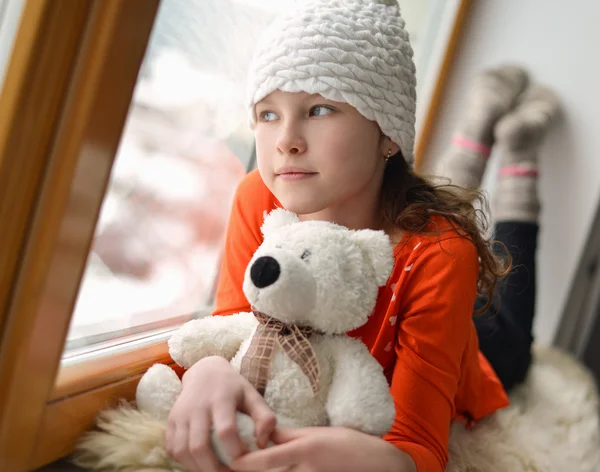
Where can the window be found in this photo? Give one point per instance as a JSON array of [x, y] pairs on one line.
[[186, 145]]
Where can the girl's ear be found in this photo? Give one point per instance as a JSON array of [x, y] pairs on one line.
[[277, 219], [386, 145]]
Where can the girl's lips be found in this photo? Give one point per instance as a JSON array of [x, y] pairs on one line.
[[295, 176], [293, 173]]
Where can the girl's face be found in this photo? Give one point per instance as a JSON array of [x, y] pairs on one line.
[[321, 159]]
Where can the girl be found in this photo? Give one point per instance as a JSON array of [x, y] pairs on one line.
[[332, 102]]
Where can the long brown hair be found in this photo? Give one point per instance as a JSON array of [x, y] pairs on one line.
[[408, 201]]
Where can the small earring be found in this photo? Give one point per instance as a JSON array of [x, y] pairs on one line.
[[389, 154]]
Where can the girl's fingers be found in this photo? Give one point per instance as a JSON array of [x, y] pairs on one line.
[[200, 447], [263, 417], [178, 447], [225, 427]]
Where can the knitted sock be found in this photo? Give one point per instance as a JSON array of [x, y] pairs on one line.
[[493, 93], [519, 135]]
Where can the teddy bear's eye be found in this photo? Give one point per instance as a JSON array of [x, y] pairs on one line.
[[305, 255]]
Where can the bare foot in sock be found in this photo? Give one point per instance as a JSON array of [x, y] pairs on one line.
[[493, 93], [519, 135]]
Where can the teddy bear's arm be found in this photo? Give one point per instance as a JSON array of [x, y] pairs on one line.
[[210, 336], [359, 396]]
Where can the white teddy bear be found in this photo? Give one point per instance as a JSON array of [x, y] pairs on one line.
[[309, 274], [308, 284]]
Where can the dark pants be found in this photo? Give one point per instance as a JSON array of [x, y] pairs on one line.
[[505, 329]]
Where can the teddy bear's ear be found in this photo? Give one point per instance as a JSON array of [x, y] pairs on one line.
[[378, 250], [277, 219]]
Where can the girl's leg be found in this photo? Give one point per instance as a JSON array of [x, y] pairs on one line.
[[492, 94], [505, 329]]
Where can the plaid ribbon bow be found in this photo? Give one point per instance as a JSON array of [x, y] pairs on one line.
[[294, 342]]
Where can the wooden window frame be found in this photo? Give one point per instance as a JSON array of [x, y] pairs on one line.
[[65, 100], [69, 84], [443, 71]]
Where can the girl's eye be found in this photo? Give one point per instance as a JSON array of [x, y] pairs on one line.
[[320, 110], [267, 116], [305, 255]]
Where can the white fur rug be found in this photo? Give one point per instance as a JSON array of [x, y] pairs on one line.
[[552, 425]]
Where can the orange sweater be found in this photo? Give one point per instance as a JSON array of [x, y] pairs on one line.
[[421, 331]]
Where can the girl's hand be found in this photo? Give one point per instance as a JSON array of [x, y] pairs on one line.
[[212, 394], [327, 449]]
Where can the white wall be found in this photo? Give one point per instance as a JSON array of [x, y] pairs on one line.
[[558, 42]]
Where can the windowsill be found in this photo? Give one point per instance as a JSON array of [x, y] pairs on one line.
[[85, 388], [60, 466], [95, 378], [116, 357], [97, 368]]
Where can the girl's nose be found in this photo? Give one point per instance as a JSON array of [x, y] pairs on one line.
[[291, 142]]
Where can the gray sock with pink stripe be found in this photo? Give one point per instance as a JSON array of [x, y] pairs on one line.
[[492, 94], [519, 135]]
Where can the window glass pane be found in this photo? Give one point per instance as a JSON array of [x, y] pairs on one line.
[[185, 147], [10, 18]]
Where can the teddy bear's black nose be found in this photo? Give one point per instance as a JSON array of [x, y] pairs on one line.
[[265, 271]]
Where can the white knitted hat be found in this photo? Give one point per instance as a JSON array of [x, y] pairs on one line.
[[352, 51]]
